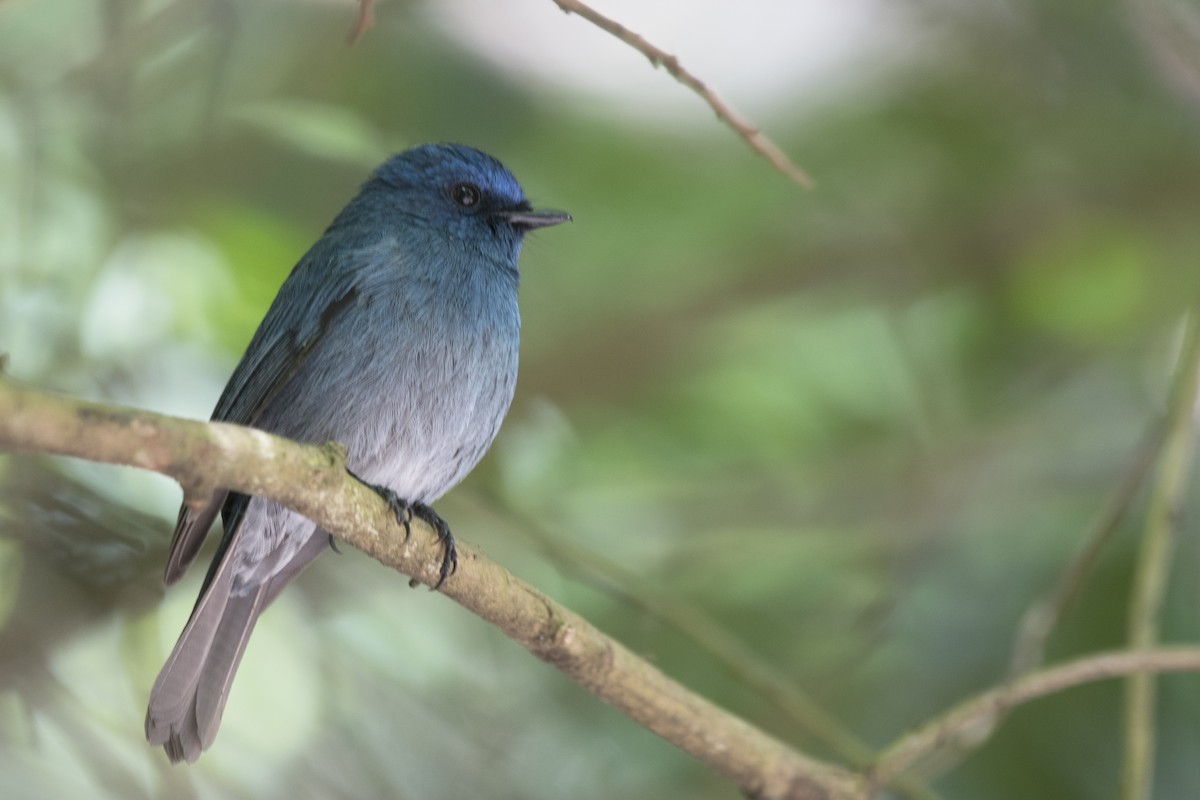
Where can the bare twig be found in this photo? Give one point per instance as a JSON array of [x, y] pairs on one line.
[[1042, 617], [985, 707], [1154, 561], [313, 481], [1169, 33], [658, 57], [362, 22], [721, 643]]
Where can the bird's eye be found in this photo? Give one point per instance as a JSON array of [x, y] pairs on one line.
[[466, 195]]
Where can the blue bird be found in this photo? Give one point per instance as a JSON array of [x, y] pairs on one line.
[[396, 335]]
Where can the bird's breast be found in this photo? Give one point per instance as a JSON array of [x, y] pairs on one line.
[[415, 385]]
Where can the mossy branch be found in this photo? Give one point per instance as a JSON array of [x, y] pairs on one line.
[[205, 456]]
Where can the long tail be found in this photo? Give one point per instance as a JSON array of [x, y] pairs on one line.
[[189, 695]]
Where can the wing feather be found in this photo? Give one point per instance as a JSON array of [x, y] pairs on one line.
[[317, 291]]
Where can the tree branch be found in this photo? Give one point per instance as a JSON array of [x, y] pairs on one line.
[[1041, 618], [1154, 562], [721, 643], [313, 481], [757, 140], [984, 708], [363, 20]]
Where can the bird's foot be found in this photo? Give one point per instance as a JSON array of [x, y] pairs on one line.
[[399, 506], [449, 551], [405, 511]]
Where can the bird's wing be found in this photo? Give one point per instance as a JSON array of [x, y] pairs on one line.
[[318, 290]]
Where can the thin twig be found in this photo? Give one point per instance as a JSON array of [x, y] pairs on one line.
[[1154, 562], [708, 634], [1042, 617], [313, 481], [993, 703], [757, 140], [1170, 33], [1040, 620], [717, 640], [362, 22]]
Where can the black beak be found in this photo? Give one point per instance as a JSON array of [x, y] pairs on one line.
[[526, 219]]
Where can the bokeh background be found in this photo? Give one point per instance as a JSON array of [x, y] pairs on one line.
[[846, 435]]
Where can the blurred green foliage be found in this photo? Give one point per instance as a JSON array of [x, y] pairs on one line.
[[861, 427]]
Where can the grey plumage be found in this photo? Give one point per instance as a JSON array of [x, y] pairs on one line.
[[396, 335]]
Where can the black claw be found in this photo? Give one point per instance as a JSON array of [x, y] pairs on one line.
[[333, 545], [399, 506], [405, 511], [449, 551]]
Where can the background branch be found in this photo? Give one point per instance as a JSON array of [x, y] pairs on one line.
[[1043, 616], [313, 481], [757, 140], [363, 21], [1154, 561], [984, 708], [721, 643]]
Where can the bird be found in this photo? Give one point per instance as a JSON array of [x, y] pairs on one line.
[[395, 335]]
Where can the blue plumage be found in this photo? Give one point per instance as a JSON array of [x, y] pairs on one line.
[[396, 335]]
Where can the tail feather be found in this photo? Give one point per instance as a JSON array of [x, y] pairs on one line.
[[183, 740], [208, 651], [188, 698], [212, 690]]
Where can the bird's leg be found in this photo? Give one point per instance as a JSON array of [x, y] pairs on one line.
[[405, 511], [449, 551], [399, 506]]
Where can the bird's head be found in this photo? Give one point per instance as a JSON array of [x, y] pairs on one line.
[[463, 193]]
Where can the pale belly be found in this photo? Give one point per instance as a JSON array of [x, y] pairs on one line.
[[415, 419]]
